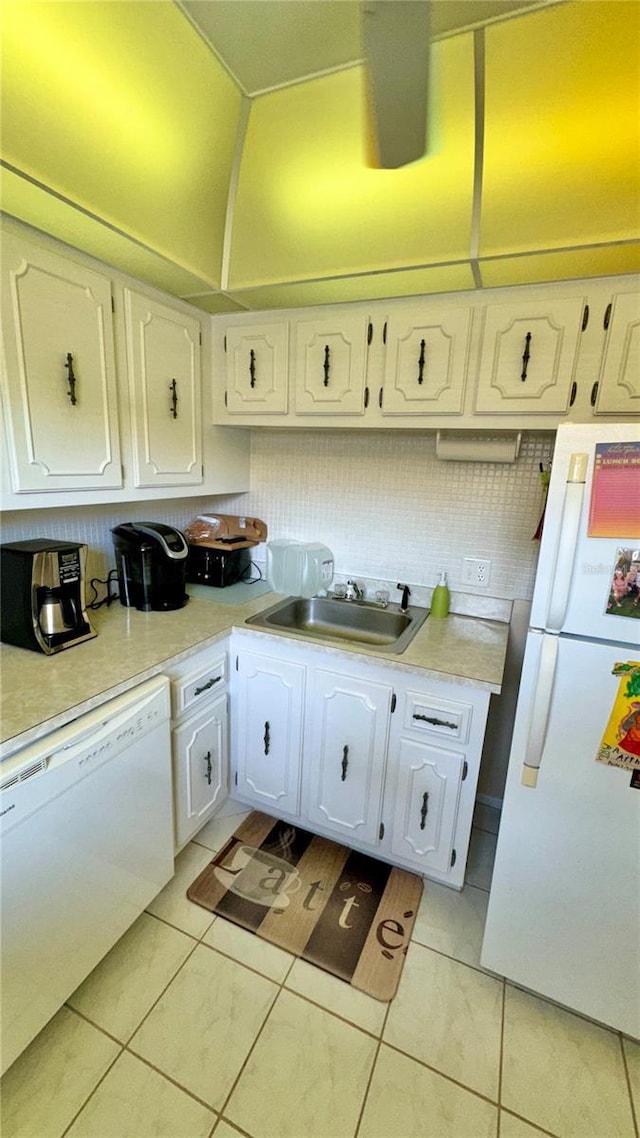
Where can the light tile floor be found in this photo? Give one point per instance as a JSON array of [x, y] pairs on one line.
[[192, 1028]]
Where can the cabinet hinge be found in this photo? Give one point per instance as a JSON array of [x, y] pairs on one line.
[[370, 333], [235, 779], [465, 770], [585, 317], [237, 665], [380, 397], [225, 343], [393, 702], [384, 333], [453, 858], [574, 392], [113, 304], [366, 398], [381, 832], [225, 399], [122, 472], [607, 316], [200, 338]]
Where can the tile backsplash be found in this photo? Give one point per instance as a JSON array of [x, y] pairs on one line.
[[381, 500]]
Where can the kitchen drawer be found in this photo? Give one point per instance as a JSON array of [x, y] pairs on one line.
[[200, 683], [437, 718]]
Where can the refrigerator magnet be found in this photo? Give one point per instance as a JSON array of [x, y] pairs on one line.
[[624, 587], [620, 746], [615, 491]]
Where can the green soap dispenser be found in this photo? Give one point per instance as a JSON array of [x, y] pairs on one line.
[[440, 598]]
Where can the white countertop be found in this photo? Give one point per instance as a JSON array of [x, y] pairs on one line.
[[40, 693]]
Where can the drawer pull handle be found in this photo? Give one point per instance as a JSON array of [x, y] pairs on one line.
[[435, 722], [252, 368], [421, 361], [424, 809], [173, 388], [207, 760], [326, 365], [209, 684], [72, 380], [267, 737], [345, 762], [526, 356]]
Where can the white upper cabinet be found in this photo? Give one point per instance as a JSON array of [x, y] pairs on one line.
[[165, 390], [528, 356], [617, 391], [60, 378], [426, 361], [330, 359], [257, 368]]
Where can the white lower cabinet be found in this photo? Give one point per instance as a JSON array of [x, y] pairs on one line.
[[200, 752], [425, 805], [200, 740], [345, 754], [380, 759], [268, 702]]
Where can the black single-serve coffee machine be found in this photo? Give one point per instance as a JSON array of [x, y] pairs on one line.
[[42, 595], [151, 559]]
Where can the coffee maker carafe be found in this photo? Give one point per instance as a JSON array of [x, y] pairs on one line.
[[151, 560], [42, 595]]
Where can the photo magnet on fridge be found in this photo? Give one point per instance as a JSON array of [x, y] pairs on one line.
[[624, 588], [620, 746]]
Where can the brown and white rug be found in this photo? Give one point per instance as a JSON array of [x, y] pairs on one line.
[[349, 914]]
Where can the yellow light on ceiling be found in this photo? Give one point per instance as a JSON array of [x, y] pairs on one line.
[[562, 128], [319, 209], [121, 108]]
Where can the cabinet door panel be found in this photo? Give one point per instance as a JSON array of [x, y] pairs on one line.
[[347, 745], [426, 804], [57, 324], [528, 358], [269, 732], [200, 758], [426, 362], [619, 384], [257, 369], [330, 361], [163, 347]]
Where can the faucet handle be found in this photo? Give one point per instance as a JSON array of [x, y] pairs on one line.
[[355, 592], [406, 593]]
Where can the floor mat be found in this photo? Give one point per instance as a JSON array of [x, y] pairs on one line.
[[348, 913]]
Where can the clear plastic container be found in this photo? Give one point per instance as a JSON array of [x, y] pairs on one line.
[[316, 568], [283, 566]]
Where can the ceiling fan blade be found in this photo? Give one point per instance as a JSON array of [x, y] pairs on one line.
[[395, 36]]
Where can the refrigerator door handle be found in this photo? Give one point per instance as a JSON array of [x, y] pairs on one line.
[[540, 709], [566, 550]]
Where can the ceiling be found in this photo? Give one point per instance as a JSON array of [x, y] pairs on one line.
[[218, 148], [265, 45]]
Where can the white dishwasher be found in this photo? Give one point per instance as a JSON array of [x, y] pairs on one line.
[[86, 842]]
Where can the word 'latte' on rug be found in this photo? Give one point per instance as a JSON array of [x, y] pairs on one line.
[[341, 910]]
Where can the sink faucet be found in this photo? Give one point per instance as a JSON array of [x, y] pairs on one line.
[[406, 593], [354, 591]]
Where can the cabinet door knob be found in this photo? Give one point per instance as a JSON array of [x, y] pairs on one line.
[[267, 737], [252, 368], [209, 767], [526, 356], [72, 380], [326, 365], [173, 388], [424, 809], [345, 762]]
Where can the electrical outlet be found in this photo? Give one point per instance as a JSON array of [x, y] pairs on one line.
[[476, 571]]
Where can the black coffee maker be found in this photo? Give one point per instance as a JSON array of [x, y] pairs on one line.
[[42, 594], [151, 559]]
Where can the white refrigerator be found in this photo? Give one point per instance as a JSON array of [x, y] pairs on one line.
[[564, 908]]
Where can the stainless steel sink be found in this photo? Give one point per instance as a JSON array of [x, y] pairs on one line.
[[353, 622]]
